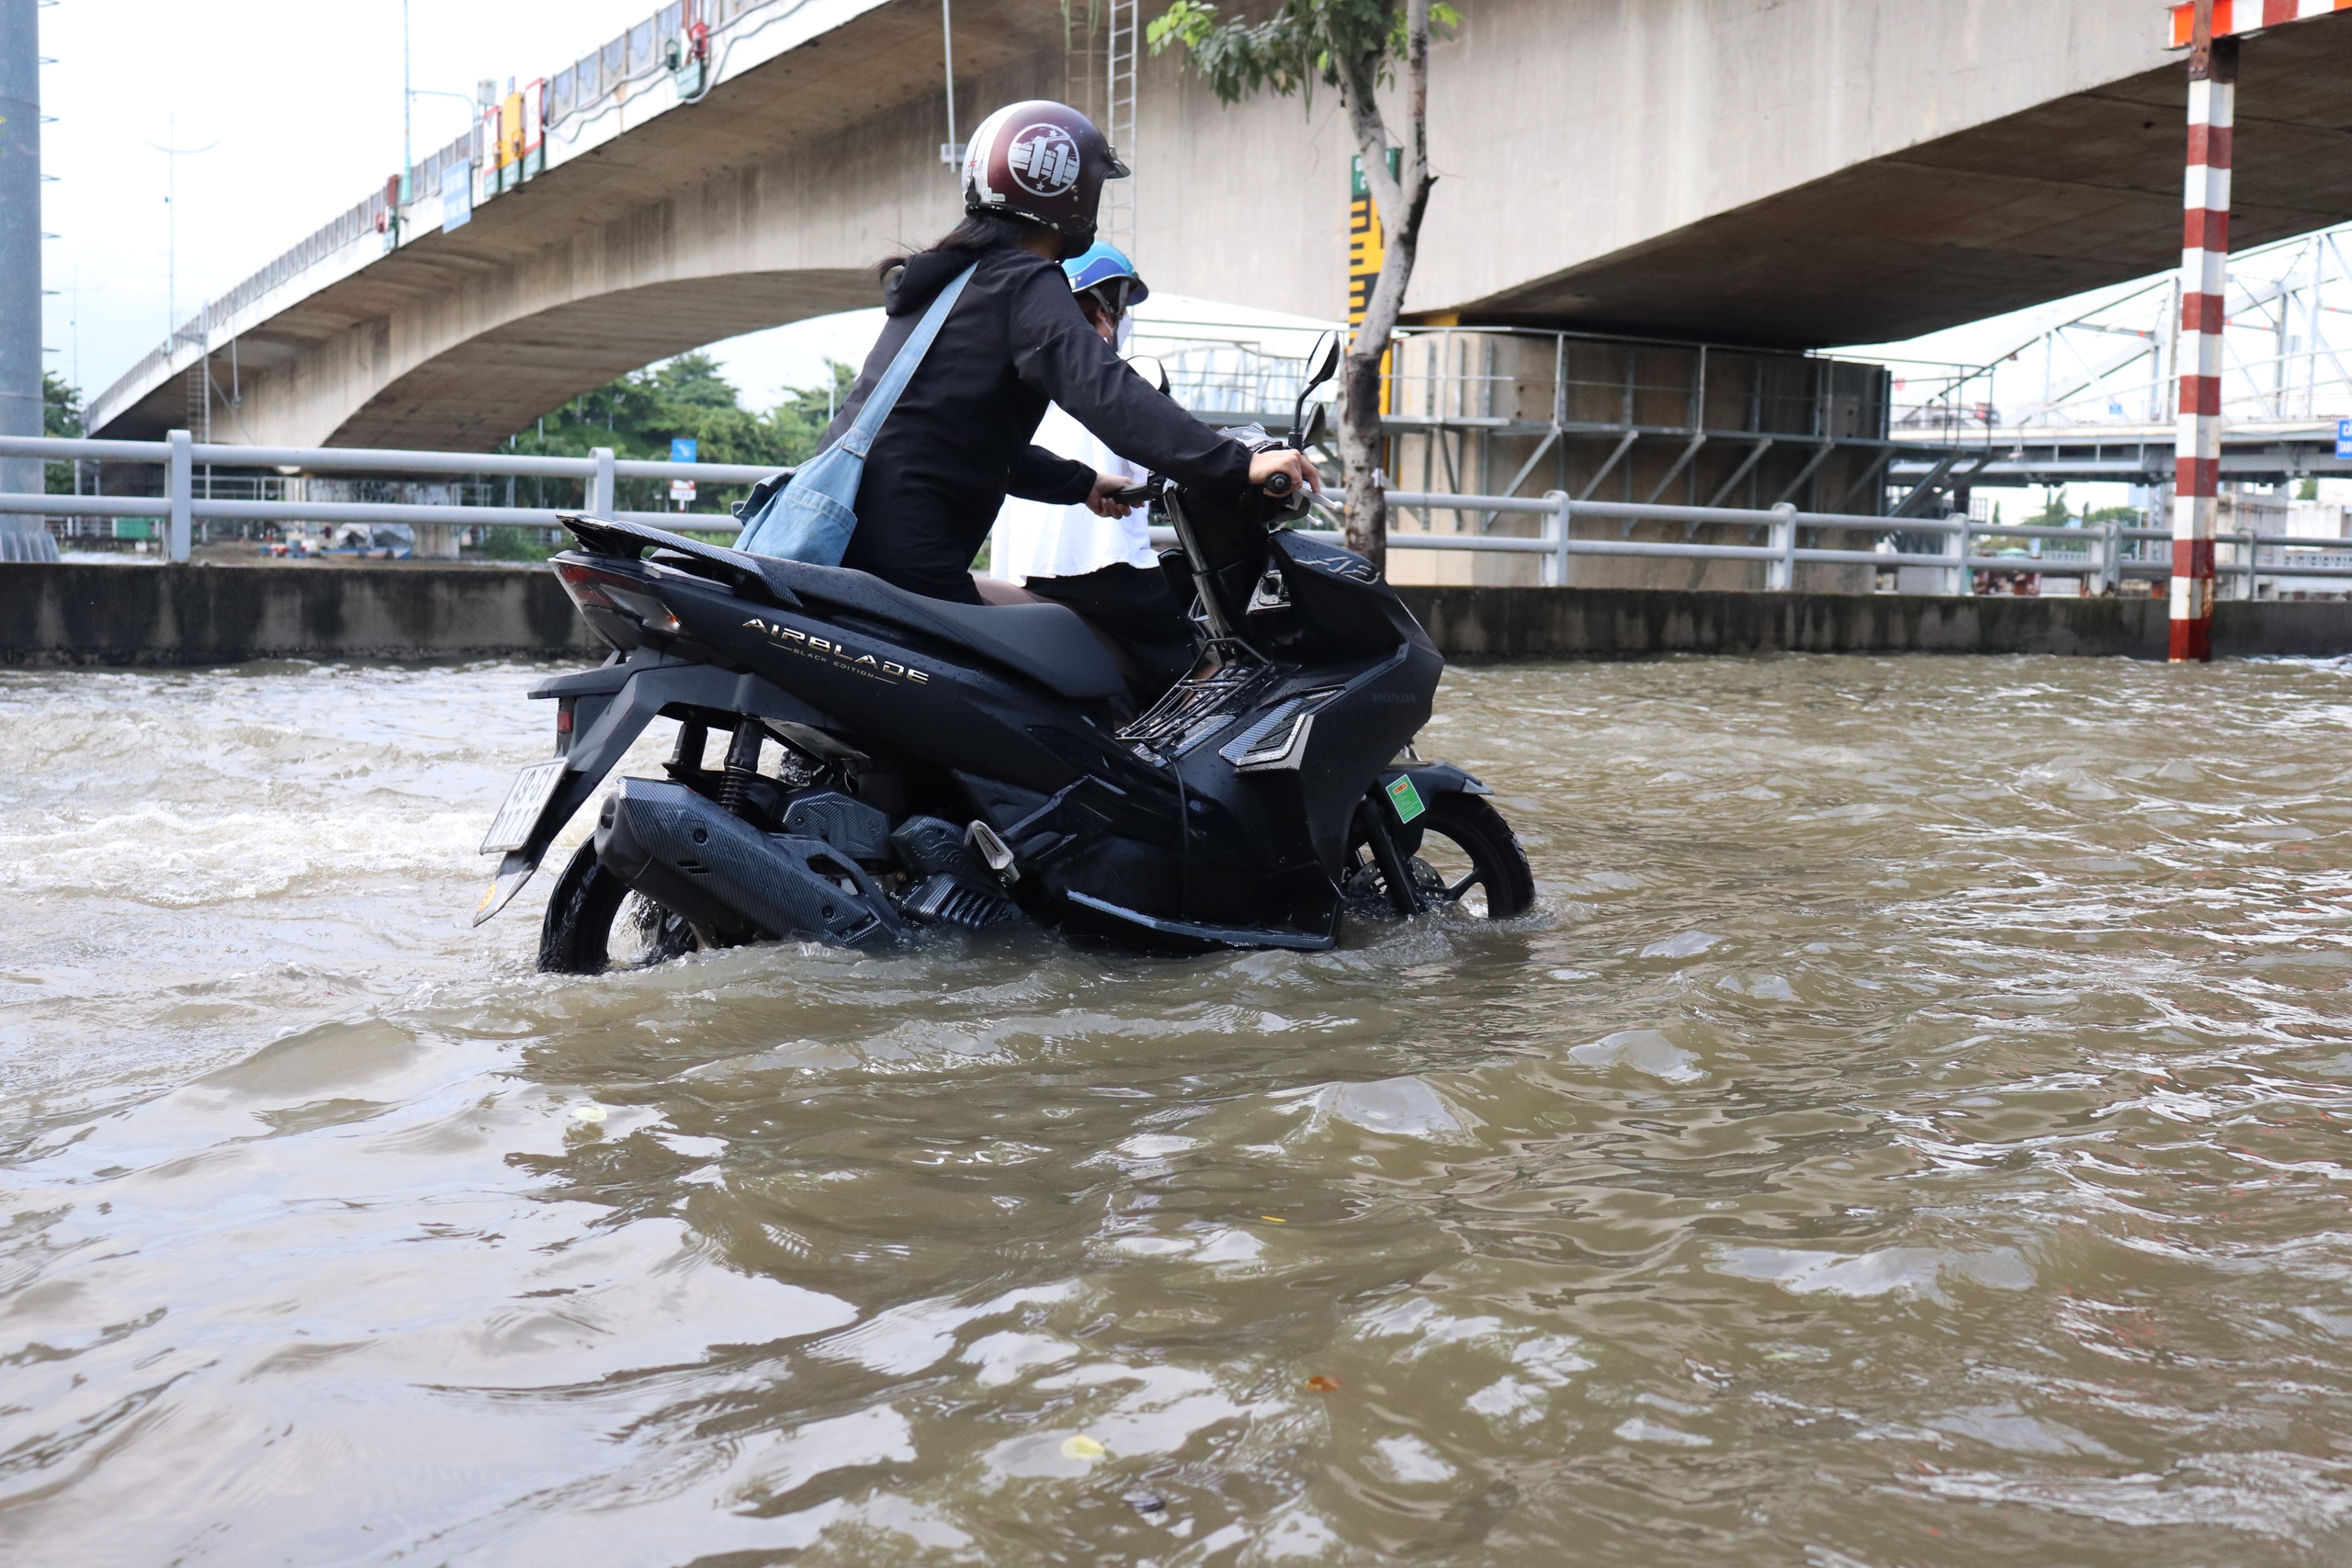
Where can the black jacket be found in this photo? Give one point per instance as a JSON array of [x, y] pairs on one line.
[[959, 441]]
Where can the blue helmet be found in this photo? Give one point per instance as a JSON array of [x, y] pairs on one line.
[[1102, 263]]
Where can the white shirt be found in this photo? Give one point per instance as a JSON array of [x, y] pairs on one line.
[[1035, 538]]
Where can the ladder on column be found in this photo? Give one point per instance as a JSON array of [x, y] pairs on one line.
[[1081, 57], [199, 399], [1123, 64]]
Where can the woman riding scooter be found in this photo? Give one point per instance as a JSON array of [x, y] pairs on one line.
[[959, 439]]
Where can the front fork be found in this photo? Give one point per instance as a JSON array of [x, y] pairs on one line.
[[1395, 874]]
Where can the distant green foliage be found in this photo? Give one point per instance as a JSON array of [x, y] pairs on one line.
[[61, 416], [514, 544], [1303, 43], [640, 414]]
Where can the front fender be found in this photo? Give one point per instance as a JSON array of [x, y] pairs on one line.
[[1407, 793]]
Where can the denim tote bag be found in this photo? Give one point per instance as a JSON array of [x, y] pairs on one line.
[[811, 518]]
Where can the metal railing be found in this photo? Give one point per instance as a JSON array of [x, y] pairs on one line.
[[2106, 554], [182, 503]]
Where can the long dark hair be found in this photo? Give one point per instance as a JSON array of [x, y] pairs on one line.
[[975, 237]]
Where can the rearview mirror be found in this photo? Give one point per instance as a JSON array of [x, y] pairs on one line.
[[1321, 366], [1149, 368], [1324, 363]]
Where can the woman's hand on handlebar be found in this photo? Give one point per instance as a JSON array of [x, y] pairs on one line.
[[1293, 468], [1104, 502]]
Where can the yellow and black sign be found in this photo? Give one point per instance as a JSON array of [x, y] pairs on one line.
[[1367, 251]]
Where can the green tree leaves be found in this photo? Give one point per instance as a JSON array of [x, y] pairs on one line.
[[1303, 43], [640, 414], [61, 416]]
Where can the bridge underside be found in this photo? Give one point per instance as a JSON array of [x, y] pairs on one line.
[[483, 389], [2068, 196]]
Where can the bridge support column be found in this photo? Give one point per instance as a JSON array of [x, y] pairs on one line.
[[21, 538], [2204, 286]]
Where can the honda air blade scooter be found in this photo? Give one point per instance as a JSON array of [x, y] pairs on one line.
[[887, 763]]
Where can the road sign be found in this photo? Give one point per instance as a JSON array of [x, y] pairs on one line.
[[2343, 437], [681, 450]]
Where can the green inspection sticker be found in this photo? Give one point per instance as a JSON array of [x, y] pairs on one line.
[[1407, 799]]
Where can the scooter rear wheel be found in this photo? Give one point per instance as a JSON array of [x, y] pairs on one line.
[[595, 923], [1474, 864]]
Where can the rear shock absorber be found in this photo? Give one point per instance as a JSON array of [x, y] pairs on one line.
[[742, 766]]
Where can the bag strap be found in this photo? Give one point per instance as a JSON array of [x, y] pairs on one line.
[[884, 396]]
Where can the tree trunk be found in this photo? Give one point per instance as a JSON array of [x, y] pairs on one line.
[[1401, 204], [1361, 442]]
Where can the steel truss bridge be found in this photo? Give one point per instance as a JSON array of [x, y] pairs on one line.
[[2092, 396]]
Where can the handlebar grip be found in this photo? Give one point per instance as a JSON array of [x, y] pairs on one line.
[[1278, 486]]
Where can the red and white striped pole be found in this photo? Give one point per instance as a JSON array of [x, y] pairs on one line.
[[2204, 285]]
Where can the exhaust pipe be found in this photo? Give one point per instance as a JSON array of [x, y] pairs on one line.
[[724, 874]]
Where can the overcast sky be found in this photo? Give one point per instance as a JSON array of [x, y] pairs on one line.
[[300, 102]]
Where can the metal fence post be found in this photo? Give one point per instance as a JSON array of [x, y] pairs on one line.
[[600, 489], [1781, 573], [1956, 578], [2110, 557], [1555, 530], [179, 489]]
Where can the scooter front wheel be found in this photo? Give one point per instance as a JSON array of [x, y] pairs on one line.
[[1460, 853], [595, 923]]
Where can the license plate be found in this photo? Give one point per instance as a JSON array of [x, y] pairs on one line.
[[511, 828]]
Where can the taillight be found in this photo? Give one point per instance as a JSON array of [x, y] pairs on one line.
[[617, 608]]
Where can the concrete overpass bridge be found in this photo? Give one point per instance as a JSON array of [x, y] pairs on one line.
[[1801, 174]]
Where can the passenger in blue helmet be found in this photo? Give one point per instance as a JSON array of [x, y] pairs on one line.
[[1103, 268], [1101, 566]]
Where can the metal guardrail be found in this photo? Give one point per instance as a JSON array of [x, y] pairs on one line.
[[181, 505], [2102, 557]]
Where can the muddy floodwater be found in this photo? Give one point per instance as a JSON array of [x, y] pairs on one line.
[[1911, 1130]]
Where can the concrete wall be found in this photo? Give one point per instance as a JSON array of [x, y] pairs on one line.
[[126, 615], [1480, 624], [179, 615]]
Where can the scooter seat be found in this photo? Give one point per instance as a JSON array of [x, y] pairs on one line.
[[1049, 643]]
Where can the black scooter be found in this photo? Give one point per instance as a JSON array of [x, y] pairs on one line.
[[979, 765]]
